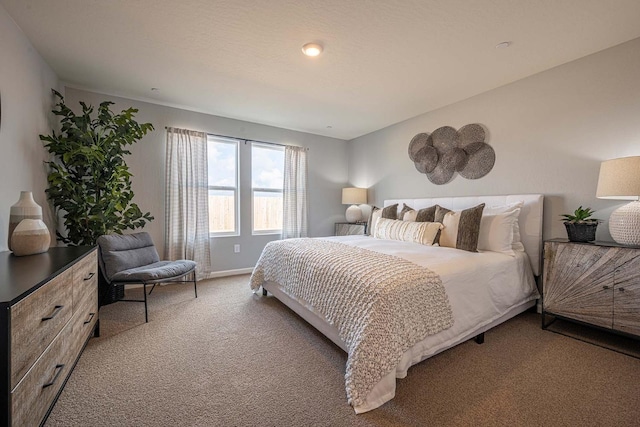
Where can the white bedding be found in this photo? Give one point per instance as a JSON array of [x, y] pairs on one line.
[[483, 289]]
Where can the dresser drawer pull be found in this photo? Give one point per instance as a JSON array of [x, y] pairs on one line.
[[54, 314], [55, 377], [605, 287], [90, 318], [89, 276]]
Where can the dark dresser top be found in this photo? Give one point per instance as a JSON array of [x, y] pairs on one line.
[[19, 276]]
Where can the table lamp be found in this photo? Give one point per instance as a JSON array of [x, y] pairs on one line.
[[354, 196], [620, 180]]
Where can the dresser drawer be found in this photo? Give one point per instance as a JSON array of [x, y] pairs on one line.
[[84, 319], [36, 320], [33, 396], [85, 278]]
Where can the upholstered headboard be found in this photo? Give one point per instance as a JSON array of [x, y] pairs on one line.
[[530, 219]]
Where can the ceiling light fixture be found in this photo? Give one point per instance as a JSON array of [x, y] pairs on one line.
[[312, 49], [503, 45]]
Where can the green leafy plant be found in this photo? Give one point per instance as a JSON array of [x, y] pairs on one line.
[[580, 216], [89, 180]]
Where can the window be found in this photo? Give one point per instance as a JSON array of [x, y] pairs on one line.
[[267, 178], [222, 162]]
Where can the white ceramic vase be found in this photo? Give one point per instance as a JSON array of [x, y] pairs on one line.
[[30, 237], [25, 208]]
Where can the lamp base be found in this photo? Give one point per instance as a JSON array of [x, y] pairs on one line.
[[624, 224], [354, 214]]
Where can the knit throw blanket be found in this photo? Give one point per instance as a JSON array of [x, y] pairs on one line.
[[380, 304]]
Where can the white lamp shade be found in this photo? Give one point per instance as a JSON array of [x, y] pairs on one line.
[[354, 196], [620, 179]]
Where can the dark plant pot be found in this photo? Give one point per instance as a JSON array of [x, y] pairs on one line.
[[581, 232], [107, 293]]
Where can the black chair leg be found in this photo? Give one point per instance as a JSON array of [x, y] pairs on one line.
[[195, 286], [146, 312]]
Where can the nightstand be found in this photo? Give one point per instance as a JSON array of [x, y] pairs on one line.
[[597, 284], [350, 228]]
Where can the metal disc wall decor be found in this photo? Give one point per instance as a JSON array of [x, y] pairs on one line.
[[446, 151]]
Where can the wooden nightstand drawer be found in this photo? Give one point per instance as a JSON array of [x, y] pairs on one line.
[[350, 228], [593, 283], [36, 320]]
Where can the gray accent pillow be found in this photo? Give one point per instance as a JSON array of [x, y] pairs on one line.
[[427, 214], [461, 228], [439, 213], [390, 212], [404, 210]]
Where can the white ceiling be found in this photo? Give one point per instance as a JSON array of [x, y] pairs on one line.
[[384, 60]]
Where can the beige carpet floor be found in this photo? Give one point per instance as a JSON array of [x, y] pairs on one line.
[[232, 358]]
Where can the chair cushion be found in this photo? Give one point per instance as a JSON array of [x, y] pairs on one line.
[[157, 271], [120, 252]]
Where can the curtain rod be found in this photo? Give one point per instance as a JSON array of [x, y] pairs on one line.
[[245, 140]]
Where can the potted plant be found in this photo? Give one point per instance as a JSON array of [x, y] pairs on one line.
[[89, 180], [580, 226]]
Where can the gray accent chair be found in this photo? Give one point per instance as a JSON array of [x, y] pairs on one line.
[[132, 259]]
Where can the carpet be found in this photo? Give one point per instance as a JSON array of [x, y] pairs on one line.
[[233, 358]]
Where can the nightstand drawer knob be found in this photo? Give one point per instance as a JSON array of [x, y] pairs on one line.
[[605, 287], [621, 289]]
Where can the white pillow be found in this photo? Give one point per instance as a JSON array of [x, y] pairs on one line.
[[496, 232], [407, 231], [516, 244], [375, 216]]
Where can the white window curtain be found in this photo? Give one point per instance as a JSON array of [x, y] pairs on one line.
[[186, 200], [294, 221]]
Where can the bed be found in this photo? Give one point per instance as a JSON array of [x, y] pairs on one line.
[[483, 288]]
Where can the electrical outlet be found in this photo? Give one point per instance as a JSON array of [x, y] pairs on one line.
[[236, 249]]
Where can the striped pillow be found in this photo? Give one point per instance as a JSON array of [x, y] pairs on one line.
[[390, 212], [461, 228], [406, 231]]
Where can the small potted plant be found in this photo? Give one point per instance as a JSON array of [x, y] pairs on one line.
[[580, 226]]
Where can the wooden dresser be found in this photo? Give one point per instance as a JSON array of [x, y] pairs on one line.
[[593, 283], [48, 310]]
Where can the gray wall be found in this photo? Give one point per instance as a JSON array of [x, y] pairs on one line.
[[327, 172], [550, 132], [25, 92]]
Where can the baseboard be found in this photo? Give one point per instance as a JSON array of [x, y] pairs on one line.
[[236, 272]]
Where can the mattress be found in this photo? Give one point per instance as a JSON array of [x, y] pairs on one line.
[[484, 289]]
